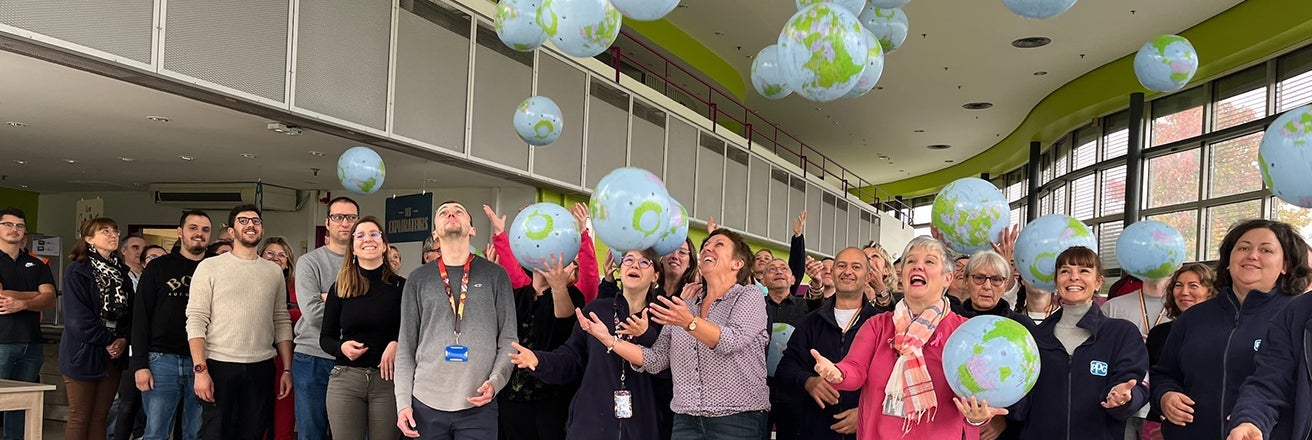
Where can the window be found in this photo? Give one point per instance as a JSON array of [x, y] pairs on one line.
[[1232, 166], [1173, 178], [1059, 200], [1294, 76], [1108, 233], [1187, 223], [921, 214], [1221, 218], [1016, 185], [1179, 116], [1117, 141], [1111, 191], [1086, 150], [1045, 204], [1299, 217], [1017, 215], [1082, 195], [1046, 168], [1062, 164], [1240, 98]]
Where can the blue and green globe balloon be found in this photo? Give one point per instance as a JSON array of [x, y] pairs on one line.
[[1286, 156], [675, 235], [887, 4], [1039, 9], [1042, 240], [645, 10], [1150, 250], [780, 333], [1166, 63], [768, 76], [361, 170], [853, 6], [971, 214], [992, 358], [874, 67], [890, 26], [630, 209], [580, 28], [538, 121], [543, 230], [516, 23], [823, 52]]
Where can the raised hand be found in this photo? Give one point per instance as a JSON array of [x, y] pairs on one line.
[[826, 368], [799, 224], [671, 311], [580, 212], [1120, 394], [593, 326], [690, 291], [491, 254], [1006, 244], [635, 325], [556, 275], [523, 357], [609, 268], [498, 223], [1177, 408], [710, 225]]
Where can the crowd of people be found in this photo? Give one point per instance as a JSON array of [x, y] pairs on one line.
[[241, 339]]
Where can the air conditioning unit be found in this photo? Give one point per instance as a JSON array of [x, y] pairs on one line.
[[225, 195]]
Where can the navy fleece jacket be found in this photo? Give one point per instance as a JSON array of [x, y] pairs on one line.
[[1277, 397]]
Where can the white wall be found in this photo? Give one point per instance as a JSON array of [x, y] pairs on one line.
[[893, 235]]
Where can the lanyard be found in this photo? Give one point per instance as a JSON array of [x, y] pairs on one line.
[[615, 317], [457, 310], [1143, 307], [851, 321]]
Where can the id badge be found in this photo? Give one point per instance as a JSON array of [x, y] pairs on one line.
[[623, 404], [457, 353]]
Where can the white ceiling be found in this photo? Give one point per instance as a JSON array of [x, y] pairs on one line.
[[958, 51], [95, 120]]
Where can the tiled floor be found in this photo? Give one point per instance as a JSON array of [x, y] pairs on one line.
[[52, 430]]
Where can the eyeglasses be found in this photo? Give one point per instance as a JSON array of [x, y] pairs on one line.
[[642, 263], [18, 226], [776, 268], [249, 221], [338, 218], [979, 280], [109, 231], [278, 255], [371, 234], [153, 257]]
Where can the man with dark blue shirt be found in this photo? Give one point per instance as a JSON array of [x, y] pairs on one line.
[[26, 288]]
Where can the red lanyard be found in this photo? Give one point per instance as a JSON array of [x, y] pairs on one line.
[[457, 310]]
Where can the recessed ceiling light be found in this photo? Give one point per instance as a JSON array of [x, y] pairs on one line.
[[919, 131], [127, 159], [977, 105], [1031, 42], [948, 161], [317, 153], [281, 128], [24, 186], [431, 180], [70, 161], [310, 181], [879, 87], [248, 155], [1040, 73], [158, 118], [16, 124], [187, 158], [719, 33], [939, 147], [21, 162]]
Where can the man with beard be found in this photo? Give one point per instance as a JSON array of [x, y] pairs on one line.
[[825, 413], [160, 355], [26, 287], [236, 312], [458, 322], [316, 272]]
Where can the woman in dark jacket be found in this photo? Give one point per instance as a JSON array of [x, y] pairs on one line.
[[97, 322], [1210, 350], [1092, 365], [1192, 284], [601, 372], [1276, 401]]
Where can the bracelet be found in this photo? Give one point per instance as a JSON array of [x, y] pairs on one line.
[[611, 347], [286, 371], [976, 424]]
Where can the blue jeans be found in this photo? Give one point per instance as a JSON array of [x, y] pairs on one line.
[[743, 425], [174, 382], [310, 383], [20, 362]]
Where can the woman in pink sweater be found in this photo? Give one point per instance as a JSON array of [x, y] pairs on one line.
[[897, 359]]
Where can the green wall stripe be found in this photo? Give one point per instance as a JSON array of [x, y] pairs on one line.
[[24, 200], [687, 49], [1251, 31]]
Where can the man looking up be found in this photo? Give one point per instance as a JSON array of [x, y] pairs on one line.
[[315, 274], [458, 322]]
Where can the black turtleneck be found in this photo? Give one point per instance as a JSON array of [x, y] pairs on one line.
[[1002, 309], [373, 319]]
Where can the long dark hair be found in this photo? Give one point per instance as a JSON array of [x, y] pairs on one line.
[[1297, 275], [690, 273], [89, 228], [350, 279], [1206, 277]]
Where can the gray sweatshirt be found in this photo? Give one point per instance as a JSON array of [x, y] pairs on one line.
[[316, 272], [428, 327]]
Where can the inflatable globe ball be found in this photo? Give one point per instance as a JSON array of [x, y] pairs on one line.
[[675, 235], [992, 358], [361, 170], [874, 67], [541, 231], [887, 4], [645, 10], [1150, 250], [853, 6], [1285, 156], [971, 214], [1042, 240], [768, 76], [580, 28], [630, 209], [823, 52], [1166, 63], [538, 121], [1038, 9], [890, 26], [516, 23]]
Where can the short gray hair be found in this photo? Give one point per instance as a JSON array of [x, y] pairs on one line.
[[934, 246], [988, 259]]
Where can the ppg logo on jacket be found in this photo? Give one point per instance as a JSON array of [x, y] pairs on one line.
[[1098, 368]]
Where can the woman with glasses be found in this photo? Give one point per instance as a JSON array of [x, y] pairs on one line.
[[361, 321], [151, 253], [97, 321], [987, 274], [277, 250], [603, 375]]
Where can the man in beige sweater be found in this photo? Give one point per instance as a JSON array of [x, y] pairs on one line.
[[236, 313]]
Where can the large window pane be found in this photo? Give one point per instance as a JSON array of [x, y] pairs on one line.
[[1173, 178], [1179, 116], [1086, 150], [920, 214], [1294, 73], [1062, 164], [1082, 195], [1108, 233], [1232, 166], [1241, 97], [1045, 204], [1299, 217], [1187, 223], [1117, 140], [1059, 200], [1112, 190], [1046, 168], [1017, 215], [1221, 218]]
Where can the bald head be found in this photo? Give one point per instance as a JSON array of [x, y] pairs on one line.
[[851, 269]]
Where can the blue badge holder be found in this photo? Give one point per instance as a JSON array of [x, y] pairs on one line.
[[457, 353]]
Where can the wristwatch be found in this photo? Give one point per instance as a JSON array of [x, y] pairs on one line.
[[199, 368], [692, 325]]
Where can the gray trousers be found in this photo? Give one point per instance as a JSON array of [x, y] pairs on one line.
[[361, 403]]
